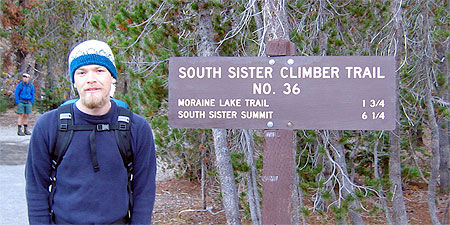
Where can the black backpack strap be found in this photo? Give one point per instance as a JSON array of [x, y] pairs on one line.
[[64, 136], [123, 138]]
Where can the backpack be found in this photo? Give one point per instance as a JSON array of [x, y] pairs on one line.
[[64, 136]]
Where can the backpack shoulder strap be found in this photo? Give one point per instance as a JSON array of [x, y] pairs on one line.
[[22, 86], [123, 135], [63, 138], [123, 138], [64, 134]]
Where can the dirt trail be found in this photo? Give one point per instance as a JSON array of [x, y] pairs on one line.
[[13, 148]]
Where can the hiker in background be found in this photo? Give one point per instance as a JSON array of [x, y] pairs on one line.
[[24, 97], [91, 162]]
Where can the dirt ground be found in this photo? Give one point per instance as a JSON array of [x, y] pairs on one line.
[[178, 201]]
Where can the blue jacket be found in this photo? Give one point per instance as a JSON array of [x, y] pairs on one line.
[[82, 195], [24, 92]]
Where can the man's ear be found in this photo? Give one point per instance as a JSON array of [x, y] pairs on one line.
[[74, 85], [114, 81]]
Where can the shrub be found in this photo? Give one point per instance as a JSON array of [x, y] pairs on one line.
[[51, 99], [5, 102]]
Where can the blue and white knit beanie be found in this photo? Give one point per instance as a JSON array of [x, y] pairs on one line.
[[91, 52]]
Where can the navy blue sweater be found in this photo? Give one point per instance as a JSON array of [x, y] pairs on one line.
[[82, 195]]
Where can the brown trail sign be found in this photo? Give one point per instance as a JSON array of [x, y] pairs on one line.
[[291, 92], [281, 94]]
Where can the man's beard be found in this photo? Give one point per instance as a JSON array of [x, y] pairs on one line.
[[92, 101]]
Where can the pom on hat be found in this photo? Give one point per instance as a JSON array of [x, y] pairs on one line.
[[91, 52]]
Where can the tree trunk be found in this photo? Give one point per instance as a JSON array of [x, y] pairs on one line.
[[432, 124], [435, 155], [275, 20], [319, 202], [380, 186], [444, 153], [203, 169], [252, 187], [226, 177], [345, 182], [398, 202], [38, 80], [230, 197], [444, 145], [259, 27]]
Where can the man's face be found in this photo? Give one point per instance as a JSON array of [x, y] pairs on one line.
[[93, 83], [26, 79]]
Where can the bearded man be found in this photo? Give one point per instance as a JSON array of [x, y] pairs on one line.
[[91, 162]]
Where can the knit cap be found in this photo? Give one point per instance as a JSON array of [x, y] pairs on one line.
[[91, 52]]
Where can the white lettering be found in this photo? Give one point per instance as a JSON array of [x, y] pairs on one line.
[[200, 72], [256, 103], [256, 114], [315, 72], [244, 72], [222, 114], [182, 71], [191, 114], [306, 72], [230, 102], [282, 72], [259, 88], [364, 72], [196, 102]]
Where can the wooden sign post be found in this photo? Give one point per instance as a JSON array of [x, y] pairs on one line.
[[277, 177], [278, 171]]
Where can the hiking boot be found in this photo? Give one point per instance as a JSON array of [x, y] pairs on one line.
[[26, 131], [19, 131]]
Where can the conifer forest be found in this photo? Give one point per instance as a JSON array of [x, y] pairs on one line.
[[340, 176]]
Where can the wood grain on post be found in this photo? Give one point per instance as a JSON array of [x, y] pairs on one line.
[[278, 159]]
